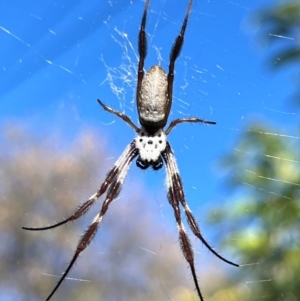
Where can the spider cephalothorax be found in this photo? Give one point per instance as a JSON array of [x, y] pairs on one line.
[[151, 148]]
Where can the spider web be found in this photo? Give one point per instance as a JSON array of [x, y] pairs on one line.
[[68, 55], [124, 74]]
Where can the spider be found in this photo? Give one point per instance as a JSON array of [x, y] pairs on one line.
[[151, 148]]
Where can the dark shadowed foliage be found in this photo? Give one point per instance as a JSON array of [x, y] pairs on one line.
[[279, 27]]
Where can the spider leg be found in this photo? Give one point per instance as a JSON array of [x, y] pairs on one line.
[[173, 56], [111, 176], [142, 47], [183, 238], [189, 120], [120, 115], [112, 193], [178, 188]]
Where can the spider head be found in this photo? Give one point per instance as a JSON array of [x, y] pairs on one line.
[[144, 164], [150, 148]]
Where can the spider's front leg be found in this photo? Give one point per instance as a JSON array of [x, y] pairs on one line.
[[183, 238], [83, 208], [176, 196], [114, 188], [175, 181]]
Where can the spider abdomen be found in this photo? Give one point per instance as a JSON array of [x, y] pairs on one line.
[[153, 98]]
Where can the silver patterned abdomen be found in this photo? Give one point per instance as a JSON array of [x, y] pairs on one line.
[[153, 97]]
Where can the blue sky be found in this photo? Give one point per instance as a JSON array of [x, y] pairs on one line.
[[57, 58]]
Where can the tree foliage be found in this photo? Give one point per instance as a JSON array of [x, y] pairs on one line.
[[264, 214], [132, 257], [262, 208]]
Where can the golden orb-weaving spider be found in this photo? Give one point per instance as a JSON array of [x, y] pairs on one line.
[[151, 148]]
